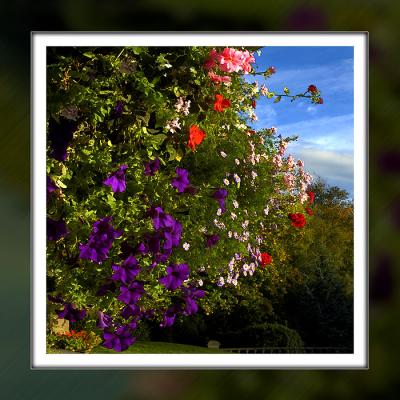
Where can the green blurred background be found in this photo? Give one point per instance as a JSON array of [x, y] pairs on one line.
[[20, 17]]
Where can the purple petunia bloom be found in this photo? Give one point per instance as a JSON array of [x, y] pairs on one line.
[[117, 179], [104, 320], [108, 286], [118, 109], [55, 299], [51, 187], [131, 293], [130, 310], [141, 248], [170, 315], [56, 229], [153, 242], [151, 167], [212, 240], [220, 196], [127, 271], [181, 181], [60, 135], [100, 241], [119, 340], [71, 313], [190, 296], [176, 274], [172, 235]]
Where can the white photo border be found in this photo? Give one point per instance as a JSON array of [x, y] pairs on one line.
[[40, 359]]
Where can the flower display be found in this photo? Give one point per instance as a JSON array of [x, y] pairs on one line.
[[192, 210]]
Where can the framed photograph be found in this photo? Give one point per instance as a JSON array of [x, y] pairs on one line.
[[199, 200]]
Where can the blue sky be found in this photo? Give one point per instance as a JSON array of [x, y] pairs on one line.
[[326, 139]]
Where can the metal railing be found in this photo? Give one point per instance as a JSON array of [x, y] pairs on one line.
[[287, 350]]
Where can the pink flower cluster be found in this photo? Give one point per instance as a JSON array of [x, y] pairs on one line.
[[230, 60]]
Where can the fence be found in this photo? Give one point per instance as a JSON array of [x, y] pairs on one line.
[[288, 350]]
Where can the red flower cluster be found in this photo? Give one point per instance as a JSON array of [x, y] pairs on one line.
[[74, 334], [311, 196], [312, 89], [265, 259], [298, 220], [309, 211], [220, 103], [196, 136]]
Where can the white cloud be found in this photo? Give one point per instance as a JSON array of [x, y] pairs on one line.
[[336, 168], [327, 133], [311, 109]]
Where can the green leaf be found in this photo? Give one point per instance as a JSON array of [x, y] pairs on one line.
[[286, 90], [278, 99]]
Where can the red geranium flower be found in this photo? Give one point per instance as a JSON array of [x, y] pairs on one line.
[[312, 89], [309, 211], [311, 196], [253, 103], [196, 136], [265, 259], [220, 103], [298, 220]]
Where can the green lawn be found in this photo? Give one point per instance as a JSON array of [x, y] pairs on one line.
[[151, 348]]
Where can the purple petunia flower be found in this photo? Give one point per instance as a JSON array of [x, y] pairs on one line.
[[130, 310], [181, 181], [104, 320], [108, 286], [220, 196], [120, 339], [131, 293], [158, 216], [190, 296], [153, 242], [51, 187], [151, 167], [71, 313], [170, 315], [100, 241], [118, 109], [176, 274], [141, 248], [56, 229], [60, 135], [117, 179], [212, 240], [55, 299], [127, 271]]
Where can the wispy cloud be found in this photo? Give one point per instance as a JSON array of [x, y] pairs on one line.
[[328, 133], [267, 117], [335, 168]]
